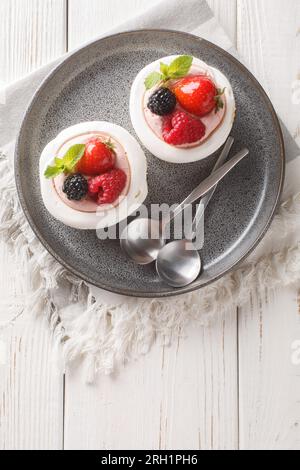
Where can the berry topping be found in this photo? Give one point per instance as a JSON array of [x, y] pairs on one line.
[[162, 102], [179, 128], [98, 158], [107, 188], [75, 187], [198, 95]]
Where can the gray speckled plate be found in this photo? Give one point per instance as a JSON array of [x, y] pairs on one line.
[[94, 84]]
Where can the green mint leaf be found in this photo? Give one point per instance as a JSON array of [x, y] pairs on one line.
[[177, 69], [73, 155], [180, 66], [67, 163], [164, 68], [153, 79], [58, 161], [53, 171]]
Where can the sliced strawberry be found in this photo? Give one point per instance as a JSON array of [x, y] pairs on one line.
[[198, 95], [98, 158]]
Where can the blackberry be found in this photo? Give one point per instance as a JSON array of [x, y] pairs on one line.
[[162, 102], [75, 187]]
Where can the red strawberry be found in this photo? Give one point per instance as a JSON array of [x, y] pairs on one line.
[[198, 95], [98, 158], [107, 188], [179, 128]]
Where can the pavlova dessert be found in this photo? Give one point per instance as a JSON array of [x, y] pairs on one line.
[[93, 175], [182, 109]]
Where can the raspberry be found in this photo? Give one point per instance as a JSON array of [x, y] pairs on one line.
[[179, 128], [107, 188]]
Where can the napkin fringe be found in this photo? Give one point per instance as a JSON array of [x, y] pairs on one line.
[[108, 335]]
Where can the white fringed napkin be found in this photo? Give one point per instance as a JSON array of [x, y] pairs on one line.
[[106, 329]]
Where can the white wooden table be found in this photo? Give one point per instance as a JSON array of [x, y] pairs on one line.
[[231, 385]]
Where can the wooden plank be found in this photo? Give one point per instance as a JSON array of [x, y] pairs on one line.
[[269, 41], [270, 324], [32, 32], [178, 397], [86, 23], [226, 14], [184, 396], [269, 337], [31, 386], [89, 21]]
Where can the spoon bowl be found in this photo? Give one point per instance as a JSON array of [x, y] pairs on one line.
[[178, 263], [142, 240]]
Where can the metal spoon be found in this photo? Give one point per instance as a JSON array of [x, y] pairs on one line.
[[142, 239], [179, 263]]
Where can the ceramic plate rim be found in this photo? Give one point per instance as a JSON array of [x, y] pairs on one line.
[[128, 292]]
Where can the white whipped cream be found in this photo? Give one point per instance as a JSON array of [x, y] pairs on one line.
[[82, 216], [148, 126]]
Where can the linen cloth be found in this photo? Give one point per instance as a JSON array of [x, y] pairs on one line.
[[106, 329]]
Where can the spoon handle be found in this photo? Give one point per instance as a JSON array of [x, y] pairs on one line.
[[209, 182], [203, 203], [222, 158]]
